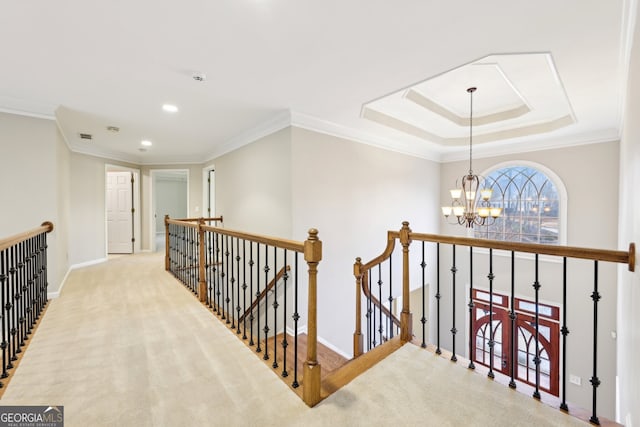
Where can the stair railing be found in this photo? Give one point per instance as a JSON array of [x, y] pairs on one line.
[[432, 256], [230, 272], [23, 291]]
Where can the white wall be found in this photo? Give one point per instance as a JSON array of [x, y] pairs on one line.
[[590, 224], [87, 208], [629, 211], [353, 194], [253, 186], [170, 199], [31, 150]]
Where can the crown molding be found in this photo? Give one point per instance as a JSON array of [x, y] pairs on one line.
[[508, 148], [277, 122], [315, 124], [33, 114]]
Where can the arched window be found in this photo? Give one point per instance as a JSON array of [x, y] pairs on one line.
[[532, 205]]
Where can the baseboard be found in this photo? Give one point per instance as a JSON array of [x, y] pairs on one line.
[[56, 294], [303, 330]]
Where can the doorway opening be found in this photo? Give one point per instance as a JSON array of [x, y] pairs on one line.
[[209, 187], [169, 196]]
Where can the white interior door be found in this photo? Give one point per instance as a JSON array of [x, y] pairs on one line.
[[119, 213]]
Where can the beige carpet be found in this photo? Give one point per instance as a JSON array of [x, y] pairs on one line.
[[126, 345]]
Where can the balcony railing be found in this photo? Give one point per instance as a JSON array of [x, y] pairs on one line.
[[519, 298], [23, 291], [254, 284]]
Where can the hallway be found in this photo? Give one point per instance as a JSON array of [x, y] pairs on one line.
[[126, 345]]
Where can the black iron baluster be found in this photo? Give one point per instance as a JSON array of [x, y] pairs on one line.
[[217, 281], [26, 287], [227, 299], [266, 303], [491, 340], [275, 307], [20, 296], [380, 328], [536, 359], [285, 343], [565, 332], [44, 271], [370, 314], [244, 289], [251, 318], [33, 276], [3, 315], [390, 320], [595, 381], [471, 305], [296, 316], [233, 282], [258, 347], [238, 308], [210, 266], [13, 307], [513, 316], [438, 296], [454, 331], [423, 320]]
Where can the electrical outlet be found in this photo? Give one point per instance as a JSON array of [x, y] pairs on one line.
[[574, 379]]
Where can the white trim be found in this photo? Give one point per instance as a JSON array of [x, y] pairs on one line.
[[627, 30], [56, 294], [303, 330], [305, 121], [206, 193], [508, 147], [274, 124], [36, 115]]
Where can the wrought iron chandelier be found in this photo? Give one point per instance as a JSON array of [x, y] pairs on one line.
[[465, 205]]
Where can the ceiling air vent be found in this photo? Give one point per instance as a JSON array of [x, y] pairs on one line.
[[86, 136]]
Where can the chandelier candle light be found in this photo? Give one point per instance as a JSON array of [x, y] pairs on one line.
[[465, 206]]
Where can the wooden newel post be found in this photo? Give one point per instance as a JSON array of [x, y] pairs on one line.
[[357, 335], [202, 282], [311, 375], [406, 322], [167, 263]]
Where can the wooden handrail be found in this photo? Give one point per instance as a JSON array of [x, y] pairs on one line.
[[271, 284], [217, 218], [7, 242], [367, 292], [267, 240], [623, 257]]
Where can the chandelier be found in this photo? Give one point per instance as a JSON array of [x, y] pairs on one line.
[[465, 206]]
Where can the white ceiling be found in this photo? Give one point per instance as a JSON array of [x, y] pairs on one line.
[[271, 63]]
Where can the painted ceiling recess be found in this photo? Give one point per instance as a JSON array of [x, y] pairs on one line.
[[200, 79]]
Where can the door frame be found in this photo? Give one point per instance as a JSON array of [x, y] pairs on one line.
[[136, 205], [152, 202], [206, 193]]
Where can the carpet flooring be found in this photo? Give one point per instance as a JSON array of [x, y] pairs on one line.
[[126, 345]]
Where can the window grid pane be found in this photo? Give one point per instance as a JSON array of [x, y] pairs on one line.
[[530, 206]]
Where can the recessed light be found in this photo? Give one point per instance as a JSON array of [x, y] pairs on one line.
[[147, 143], [169, 108]]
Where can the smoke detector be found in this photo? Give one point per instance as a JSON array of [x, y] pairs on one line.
[[199, 77], [114, 129]]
